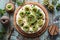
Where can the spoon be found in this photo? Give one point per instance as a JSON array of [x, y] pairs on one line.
[[10, 33]]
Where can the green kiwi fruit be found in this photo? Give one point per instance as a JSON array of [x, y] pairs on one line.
[[34, 23], [31, 19], [40, 22], [26, 28], [22, 14], [39, 15], [35, 28], [46, 2], [51, 8], [20, 22], [34, 9], [9, 7], [27, 8]]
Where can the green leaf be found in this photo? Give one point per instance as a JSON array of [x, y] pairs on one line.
[[54, 2], [19, 3], [14, 1], [58, 7], [2, 11]]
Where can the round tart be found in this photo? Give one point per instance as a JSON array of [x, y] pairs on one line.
[[10, 7], [31, 19]]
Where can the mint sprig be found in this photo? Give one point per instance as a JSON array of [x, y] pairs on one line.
[[2, 11], [19, 3]]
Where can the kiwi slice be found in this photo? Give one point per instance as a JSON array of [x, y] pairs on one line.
[[34, 9], [20, 22], [26, 28], [35, 28], [9, 6], [31, 19], [34, 23], [40, 22], [27, 8], [46, 3], [51, 8], [22, 14], [39, 15]]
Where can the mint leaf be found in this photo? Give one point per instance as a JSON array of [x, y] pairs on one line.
[[2, 11], [19, 3]]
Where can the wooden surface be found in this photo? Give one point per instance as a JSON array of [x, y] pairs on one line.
[[17, 36]]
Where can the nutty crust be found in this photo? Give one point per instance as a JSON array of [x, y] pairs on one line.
[[13, 8], [40, 31]]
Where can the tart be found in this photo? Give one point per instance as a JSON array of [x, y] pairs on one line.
[[31, 19], [10, 7]]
